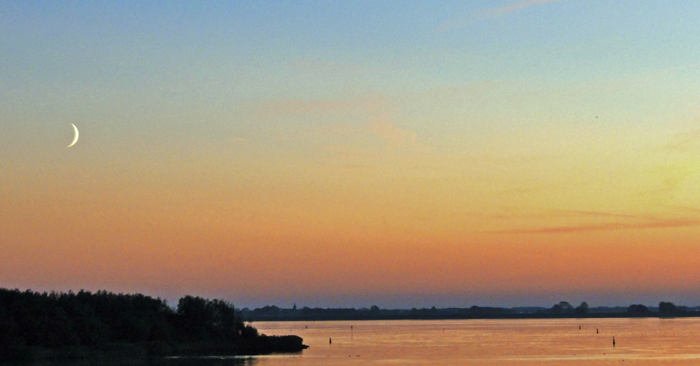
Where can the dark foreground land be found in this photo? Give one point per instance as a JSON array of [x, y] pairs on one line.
[[104, 325]]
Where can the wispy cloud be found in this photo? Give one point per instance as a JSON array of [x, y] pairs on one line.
[[281, 108], [517, 6], [676, 163], [355, 131], [352, 155], [521, 191], [685, 208], [380, 125], [358, 166], [661, 224], [492, 13], [670, 177], [393, 135], [511, 213], [684, 142], [315, 66], [594, 214]]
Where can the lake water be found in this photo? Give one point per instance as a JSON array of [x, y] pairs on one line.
[[490, 342], [474, 342]]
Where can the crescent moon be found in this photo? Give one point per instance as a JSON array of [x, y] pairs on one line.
[[75, 139]]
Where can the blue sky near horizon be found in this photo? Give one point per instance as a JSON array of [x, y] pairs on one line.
[[448, 151]]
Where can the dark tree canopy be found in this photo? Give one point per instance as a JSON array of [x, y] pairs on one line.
[[667, 308], [563, 307], [638, 309], [582, 309], [30, 320]]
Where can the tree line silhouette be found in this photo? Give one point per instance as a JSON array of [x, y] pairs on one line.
[[563, 309], [77, 325]]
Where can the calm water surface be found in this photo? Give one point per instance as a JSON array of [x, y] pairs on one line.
[[478, 342], [491, 342]]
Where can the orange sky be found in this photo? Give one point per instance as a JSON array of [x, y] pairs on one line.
[[478, 155]]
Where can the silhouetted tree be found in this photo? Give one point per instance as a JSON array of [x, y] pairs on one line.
[[66, 319], [582, 309], [248, 332], [194, 317], [31, 320], [9, 333], [667, 308], [226, 324], [566, 307], [637, 309]]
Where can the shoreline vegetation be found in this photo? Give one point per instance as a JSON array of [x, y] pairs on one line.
[[560, 310], [104, 325]]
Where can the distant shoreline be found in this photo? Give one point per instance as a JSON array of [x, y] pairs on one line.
[[484, 317], [562, 310]]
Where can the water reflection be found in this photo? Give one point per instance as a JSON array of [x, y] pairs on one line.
[[207, 361], [488, 342], [190, 361], [541, 342]]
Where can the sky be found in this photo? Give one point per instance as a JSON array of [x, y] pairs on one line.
[[353, 153]]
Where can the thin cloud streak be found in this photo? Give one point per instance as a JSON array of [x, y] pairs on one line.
[[282, 108], [549, 214], [684, 142], [685, 208], [595, 214], [393, 135], [517, 6], [603, 227], [471, 17], [358, 166]]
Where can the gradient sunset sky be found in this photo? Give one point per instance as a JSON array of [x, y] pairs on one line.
[[352, 153]]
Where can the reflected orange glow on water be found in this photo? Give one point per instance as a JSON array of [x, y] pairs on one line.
[[492, 342]]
